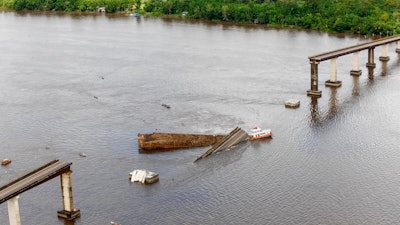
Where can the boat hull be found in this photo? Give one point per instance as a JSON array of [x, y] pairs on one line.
[[261, 136], [160, 141]]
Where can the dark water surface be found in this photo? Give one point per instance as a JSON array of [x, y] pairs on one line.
[[71, 84]]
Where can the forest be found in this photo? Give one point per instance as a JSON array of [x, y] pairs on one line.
[[366, 17]]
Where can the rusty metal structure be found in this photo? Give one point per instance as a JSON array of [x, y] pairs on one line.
[[165, 141]]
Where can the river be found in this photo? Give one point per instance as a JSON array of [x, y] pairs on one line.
[[72, 83]]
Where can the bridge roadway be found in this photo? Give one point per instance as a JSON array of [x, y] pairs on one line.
[[33, 179], [236, 136], [352, 49]]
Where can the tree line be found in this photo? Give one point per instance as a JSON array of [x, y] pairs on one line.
[[368, 17], [112, 6]]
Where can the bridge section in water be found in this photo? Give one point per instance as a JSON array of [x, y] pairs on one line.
[[355, 50], [236, 136]]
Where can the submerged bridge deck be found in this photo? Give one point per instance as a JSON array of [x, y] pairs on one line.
[[236, 136], [30, 180]]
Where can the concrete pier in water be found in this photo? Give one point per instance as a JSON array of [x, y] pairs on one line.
[[334, 55], [11, 191]]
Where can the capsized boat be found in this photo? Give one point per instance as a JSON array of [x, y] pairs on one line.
[[257, 133], [143, 176]]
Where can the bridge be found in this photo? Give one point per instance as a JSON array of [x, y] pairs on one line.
[[11, 191], [355, 50], [236, 136]]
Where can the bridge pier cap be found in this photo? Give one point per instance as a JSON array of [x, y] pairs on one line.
[[40, 175], [370, 46]]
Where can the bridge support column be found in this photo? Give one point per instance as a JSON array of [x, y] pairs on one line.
[[314, 80], [371, 64], [68, 212], [398, 47], [13, 211], [356, 65], [333, 82], [384, 53]]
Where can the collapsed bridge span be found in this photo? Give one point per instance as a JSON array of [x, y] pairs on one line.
[[236, 136]]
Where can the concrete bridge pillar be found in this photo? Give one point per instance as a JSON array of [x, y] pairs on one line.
[[398, 47], [333, 82], [356, 65], [384, 53], [371, 64], [69, 212], [314, 80], [13, 211]]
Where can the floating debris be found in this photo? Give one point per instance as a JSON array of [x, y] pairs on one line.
[[5, 162], [95, 97], [143, 176], [82, 154], [114, 223], [166, 106], [292, 103]]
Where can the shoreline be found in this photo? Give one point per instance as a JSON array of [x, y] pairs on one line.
[[190, 20]]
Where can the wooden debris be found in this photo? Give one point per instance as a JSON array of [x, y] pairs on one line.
[[5, 162]]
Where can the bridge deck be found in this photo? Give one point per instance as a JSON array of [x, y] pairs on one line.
[[352, 49], [33, 179], [236, 136]]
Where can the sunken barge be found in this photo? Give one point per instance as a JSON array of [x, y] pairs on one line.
[[169, 141]]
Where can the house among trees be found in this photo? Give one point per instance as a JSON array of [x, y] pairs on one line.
[[101, 10]]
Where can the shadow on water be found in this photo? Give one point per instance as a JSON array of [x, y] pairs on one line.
[[68, 222], [319, 118], [384, 68], [260, 143], [156, 151]]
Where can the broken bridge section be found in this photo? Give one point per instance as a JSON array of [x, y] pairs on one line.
[[236, 136], [10, 192]]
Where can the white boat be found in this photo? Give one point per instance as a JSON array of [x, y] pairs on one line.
[[143, 176], [257, 133]]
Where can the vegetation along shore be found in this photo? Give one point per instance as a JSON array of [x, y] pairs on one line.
[[365, 17]]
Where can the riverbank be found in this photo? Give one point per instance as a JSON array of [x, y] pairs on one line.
[[364, 18]]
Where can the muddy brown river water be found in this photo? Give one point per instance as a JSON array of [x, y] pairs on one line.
[[90, 83]]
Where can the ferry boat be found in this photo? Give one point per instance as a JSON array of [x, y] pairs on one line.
[[257, 133]]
